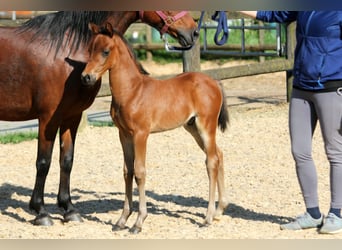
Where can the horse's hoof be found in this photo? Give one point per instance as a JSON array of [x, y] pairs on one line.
[[72, 217], [42, 220], [135, 230]]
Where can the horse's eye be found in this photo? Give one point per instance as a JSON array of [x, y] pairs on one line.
[[105, 53]]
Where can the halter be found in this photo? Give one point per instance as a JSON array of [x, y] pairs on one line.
[[168, 20]]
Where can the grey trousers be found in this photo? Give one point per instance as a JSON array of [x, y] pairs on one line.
[[306, 108]]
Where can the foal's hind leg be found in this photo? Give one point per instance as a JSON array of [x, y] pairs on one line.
[[223, 202], [214, 162]]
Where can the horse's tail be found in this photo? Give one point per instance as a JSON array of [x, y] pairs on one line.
[[223, 118]]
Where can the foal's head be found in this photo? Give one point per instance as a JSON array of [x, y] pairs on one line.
[[104, 53]]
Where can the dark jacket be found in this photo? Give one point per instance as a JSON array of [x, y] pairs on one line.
[[318, 53]]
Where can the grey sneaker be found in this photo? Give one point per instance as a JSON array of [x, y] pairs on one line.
[[304, 221], [332, 225]]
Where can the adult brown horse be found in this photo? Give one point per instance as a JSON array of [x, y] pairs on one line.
[[142, 105], [40, 77]]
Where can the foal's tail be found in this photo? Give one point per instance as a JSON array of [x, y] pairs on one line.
[[223, 118]]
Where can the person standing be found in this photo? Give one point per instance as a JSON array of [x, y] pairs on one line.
[[316, 97]]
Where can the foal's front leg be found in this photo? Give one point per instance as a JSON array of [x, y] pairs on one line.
[[128, 172], [140, 141]]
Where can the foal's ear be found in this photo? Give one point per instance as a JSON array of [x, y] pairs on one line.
[[94, 28]]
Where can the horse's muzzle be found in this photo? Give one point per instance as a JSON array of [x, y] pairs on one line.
[[188, 40]]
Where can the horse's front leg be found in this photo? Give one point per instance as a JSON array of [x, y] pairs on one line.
[[140, 141], [46, 140], [68, 132], [128, 172]]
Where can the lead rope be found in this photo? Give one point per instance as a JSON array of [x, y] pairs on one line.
[[222, 27]]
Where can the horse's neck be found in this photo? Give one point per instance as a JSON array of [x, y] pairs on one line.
[[121, 20]]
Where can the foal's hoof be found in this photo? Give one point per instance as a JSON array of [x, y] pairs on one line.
[[72, 217], [217, 217], [135, 230], [42, 220], [117, 228], [206, 223]]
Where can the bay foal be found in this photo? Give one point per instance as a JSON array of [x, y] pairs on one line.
[[142, 105]]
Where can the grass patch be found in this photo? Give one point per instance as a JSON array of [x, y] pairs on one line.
[[101, 124], [18, 137]]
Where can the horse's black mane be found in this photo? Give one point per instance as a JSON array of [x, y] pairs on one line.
[[55, 25]]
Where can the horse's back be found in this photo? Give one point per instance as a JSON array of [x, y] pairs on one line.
[[197, 83], [183, 96], [29, 76], [6, 30]]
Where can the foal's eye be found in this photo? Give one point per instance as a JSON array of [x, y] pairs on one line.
[[105, 52]]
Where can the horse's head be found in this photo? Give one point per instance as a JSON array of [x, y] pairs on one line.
[[179, 24]]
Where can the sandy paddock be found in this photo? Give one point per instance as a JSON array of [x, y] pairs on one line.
[[259, 174]]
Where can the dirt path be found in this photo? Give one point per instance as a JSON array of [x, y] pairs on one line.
[[260, 178]]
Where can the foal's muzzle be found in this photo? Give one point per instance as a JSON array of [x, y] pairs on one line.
[[88, 79]]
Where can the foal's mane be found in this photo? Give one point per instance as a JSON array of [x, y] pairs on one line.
[[129, 47], [55, 25]]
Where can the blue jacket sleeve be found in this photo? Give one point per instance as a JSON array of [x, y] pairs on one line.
[[277, 16]]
